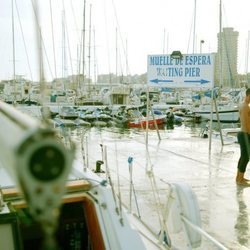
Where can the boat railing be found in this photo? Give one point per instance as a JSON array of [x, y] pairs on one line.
[[204, 233]]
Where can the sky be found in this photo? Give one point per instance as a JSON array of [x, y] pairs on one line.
[[119, 34]]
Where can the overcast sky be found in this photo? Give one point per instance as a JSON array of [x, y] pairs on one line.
[[123, 33]]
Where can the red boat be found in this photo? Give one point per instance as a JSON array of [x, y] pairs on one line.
[[141, 122]]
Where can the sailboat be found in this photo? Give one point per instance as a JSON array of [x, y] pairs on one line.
[[48, 200]]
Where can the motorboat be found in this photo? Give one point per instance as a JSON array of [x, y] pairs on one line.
[[138, 119], [225, 112]]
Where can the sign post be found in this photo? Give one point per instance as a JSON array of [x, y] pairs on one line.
[[194, 71]]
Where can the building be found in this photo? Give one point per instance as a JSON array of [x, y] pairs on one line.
[[228, 49]]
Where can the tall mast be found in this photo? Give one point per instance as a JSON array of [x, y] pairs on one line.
[[63, 48], [53, 39], [89, 48], [83, 41], [194, 26], [13, 51], [220, 44], [94, 56], [13, 41], [164, 35], [116, 54]]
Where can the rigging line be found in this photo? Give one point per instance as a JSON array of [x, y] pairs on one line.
[[70, 54], [118, 182], [41, 44], [151, 176], [119, 30], [25, 47], [53, 38], [156, 194], [110, 179], [118, 178], [194, 33], [67, 36], [46, 55], [121, 67], [229, 59], [13, 43], [79, 56], [189, 158], [107, 41], [89, 51], [74, 18], [189, 38], [83, 40], [64, 59], [95, 59]]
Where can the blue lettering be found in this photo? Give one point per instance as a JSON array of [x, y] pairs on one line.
[[160, 60], [192, 72], [171, 72], [197, 60], [178, 61]]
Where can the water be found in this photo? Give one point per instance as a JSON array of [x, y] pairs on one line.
[[173, 156]]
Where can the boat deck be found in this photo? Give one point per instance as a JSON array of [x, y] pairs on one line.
[[182, 156]]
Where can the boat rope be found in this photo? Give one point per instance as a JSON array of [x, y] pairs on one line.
[[131, 187], [83, 151], [53, 38], [40, 44], [67, 37], [184, 156], [118, 206], [118, 184], [204, 233], [110, 179], [107, 40], [25, 47], [119, 31], [156, 195]]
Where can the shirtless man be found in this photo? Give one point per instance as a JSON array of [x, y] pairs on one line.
[[244, 140]]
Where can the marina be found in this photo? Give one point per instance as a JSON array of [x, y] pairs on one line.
[[143, 165], [113, 138]]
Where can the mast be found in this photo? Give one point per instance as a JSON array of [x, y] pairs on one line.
[[63, 50], [13, 49], [194, 26], [220, 46], [127, 58], [165, 42], [53, 39], [83, 41], [95, 66], [116, 54], [89, 49], [164, 34]]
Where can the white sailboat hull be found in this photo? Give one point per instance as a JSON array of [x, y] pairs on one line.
[[224, 114]]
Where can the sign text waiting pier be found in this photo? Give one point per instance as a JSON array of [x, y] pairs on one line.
[[193, 70]]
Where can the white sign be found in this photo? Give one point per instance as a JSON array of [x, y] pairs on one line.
[[193, 70]]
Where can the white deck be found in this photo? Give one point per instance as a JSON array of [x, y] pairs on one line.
[[181, 156]]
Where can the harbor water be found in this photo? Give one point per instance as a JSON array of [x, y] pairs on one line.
[[179, 155]]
